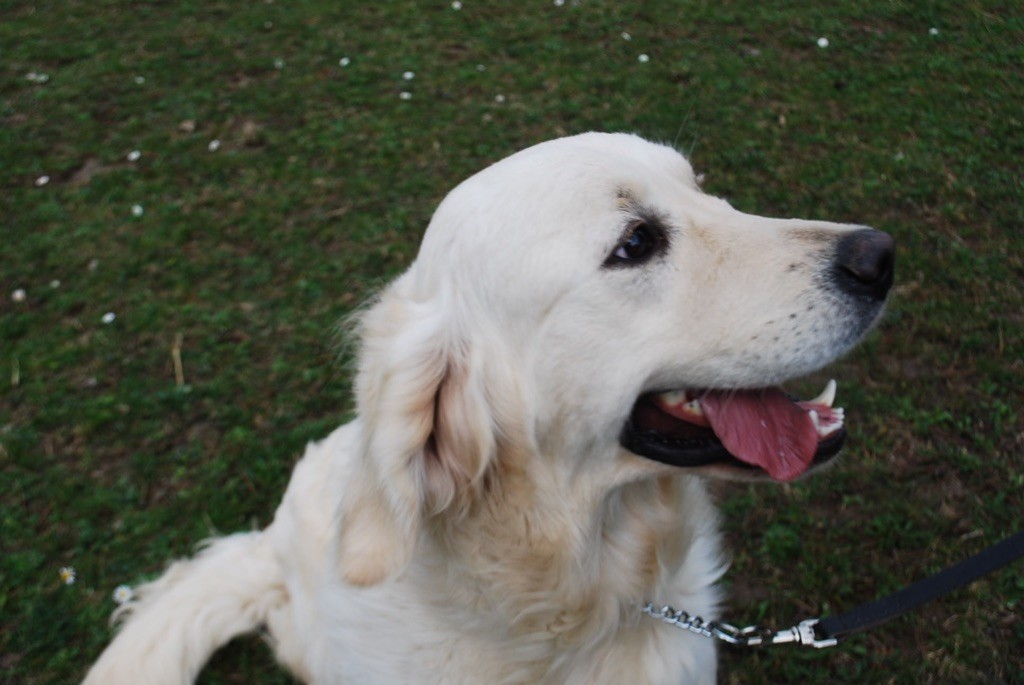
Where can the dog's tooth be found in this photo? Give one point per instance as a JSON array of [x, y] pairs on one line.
[[673, 397], [823, 431], [827, 396], [694, 406], [828, 425]]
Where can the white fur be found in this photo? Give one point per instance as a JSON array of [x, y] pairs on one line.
[[479, 522]]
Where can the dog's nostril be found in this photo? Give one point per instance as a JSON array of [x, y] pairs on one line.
[[864, 263]]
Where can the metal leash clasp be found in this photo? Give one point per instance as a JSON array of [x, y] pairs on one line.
[[804, 634], [751, 636]]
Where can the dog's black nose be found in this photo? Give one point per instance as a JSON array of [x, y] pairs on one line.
[[864, 263]]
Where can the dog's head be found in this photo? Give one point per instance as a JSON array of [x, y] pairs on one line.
[[584, 303]]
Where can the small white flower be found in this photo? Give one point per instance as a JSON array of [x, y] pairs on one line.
[[823, 42], [344, 61], [279, 63], [55, 284], [42, 181], [559, 3], [213, 146], [456, 5], [499, 98], [137, 210], [899, 156], [67, 575], [134, 156], [108, 318], [18, 295], [409, 75], [139, 80], [93, 264], [123, 594], [405, 95], [644, 58], [268, 25], [480, 67], [933, 31], [626, 36], [36, 77]]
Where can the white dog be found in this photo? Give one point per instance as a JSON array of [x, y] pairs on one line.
[[584, 337]]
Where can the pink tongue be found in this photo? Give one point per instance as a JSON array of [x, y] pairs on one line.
[[763, 428]]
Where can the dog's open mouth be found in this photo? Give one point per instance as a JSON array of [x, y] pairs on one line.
[[759, 428]]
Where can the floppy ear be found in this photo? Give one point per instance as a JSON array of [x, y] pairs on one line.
[[428, 432]]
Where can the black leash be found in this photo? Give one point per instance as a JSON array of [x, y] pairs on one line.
[[875, 613], [827, 632]]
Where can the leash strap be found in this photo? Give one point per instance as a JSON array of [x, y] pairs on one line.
[[875, 613], [827, 632]]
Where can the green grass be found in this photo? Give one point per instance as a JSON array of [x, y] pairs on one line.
[[319, 192]]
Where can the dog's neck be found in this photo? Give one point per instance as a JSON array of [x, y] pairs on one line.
[[533, 571]]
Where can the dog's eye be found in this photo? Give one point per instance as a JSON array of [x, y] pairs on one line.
[[640, 243]]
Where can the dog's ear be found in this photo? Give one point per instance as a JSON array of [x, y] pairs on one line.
[[428, 432]]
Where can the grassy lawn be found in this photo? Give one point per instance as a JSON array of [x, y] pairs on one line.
[[276, 188]]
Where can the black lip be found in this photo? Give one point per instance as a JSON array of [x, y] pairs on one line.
[[691, 452]]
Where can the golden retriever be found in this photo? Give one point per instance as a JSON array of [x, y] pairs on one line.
[[583, 339]]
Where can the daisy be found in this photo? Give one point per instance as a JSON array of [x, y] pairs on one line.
[[67, 575], [123, 594]]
